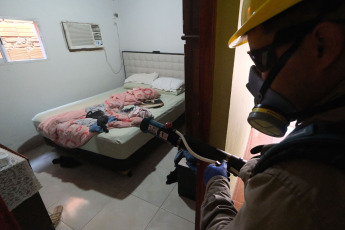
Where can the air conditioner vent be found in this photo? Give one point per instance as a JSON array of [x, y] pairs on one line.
[[82, 35]]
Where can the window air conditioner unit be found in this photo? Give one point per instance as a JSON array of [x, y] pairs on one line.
[[81, 36]]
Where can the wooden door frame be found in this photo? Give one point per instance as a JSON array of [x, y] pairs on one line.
[[200, 58]]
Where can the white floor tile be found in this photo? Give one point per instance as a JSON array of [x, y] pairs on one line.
[[168, 161], [63, 226], [165, 220], [162, 155], [52, 188], [180, 206], [153, 188], [37, 152], [79, 207], [42, 159], [131, 213], [95, 197]]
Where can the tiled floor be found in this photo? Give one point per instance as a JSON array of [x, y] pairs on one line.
[[97, 198]]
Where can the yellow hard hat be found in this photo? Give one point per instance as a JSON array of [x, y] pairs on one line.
[[255, 12]]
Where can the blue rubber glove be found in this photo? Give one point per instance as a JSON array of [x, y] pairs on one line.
[[213, 170]]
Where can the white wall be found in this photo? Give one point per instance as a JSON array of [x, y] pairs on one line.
[[151, 25]]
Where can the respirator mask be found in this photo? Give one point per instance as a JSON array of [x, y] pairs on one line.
[[271, 113]]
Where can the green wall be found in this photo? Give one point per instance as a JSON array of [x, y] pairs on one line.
[[226, 25]]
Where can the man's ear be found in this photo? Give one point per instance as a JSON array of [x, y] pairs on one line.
[[329, 39]]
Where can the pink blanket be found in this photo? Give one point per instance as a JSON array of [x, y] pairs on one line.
[[62, 130]]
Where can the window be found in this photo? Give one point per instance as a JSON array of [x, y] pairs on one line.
[[20, 41]]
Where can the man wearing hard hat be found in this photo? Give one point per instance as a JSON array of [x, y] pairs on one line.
[[298, 48]]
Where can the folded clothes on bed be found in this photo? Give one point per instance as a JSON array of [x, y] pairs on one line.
[[86, 121], [96, 127], [140, 112]]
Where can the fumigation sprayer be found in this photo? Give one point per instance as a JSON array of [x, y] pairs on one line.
[[198, 149]]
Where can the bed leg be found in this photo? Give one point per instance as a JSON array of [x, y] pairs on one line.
[[127, 172]]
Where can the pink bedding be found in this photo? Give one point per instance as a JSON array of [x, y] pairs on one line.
[[62, 130]]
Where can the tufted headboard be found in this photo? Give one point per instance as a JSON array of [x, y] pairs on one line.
[[165, 64]]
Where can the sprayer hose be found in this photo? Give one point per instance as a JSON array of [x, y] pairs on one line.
[[207, 160]]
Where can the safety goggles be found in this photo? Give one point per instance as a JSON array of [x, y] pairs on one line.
[[265, 58]]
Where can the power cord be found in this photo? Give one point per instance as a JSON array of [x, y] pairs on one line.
[[120, 54]]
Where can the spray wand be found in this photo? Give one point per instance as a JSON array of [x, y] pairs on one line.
[[204, 151]]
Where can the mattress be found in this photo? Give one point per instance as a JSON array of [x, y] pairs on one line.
[[119, 143]]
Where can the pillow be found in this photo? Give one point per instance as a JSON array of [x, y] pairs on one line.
[[132, 85], [176, 93], [168, 84], [146, 78]]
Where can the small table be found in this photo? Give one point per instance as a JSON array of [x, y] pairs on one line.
[[19, 189]]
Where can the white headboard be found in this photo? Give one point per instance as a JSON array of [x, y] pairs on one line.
[[165, 64]]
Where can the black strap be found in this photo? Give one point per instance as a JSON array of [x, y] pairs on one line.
[[276, 69], [321, 145]]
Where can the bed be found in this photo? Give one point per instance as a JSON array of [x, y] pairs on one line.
[[121, 143]]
